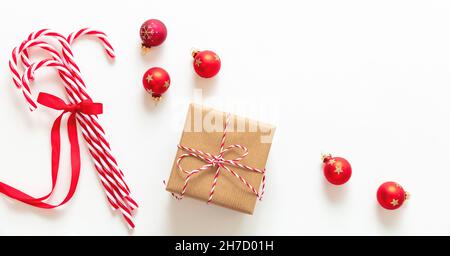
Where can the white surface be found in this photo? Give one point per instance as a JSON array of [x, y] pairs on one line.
[[366, 80]]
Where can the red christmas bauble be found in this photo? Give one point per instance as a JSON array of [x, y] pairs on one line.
[[391, 195], [156, 81], [337, 170], [206, 63], [153, 33]]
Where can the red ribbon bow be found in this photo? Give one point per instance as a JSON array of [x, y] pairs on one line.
[[86, 107], [220, 163]]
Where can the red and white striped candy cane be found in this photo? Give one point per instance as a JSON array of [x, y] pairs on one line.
[[97, 158], [69, 90], [110, 175], [69, 57], [61, 68], [119, 200], [25, 85], [121, 205], [96, 127]]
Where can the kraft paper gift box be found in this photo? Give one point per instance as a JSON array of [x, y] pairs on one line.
[[204, 129]]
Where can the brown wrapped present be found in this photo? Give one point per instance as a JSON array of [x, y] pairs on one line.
[[236, 146]]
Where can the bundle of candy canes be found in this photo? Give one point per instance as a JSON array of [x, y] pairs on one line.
[[83, 111]]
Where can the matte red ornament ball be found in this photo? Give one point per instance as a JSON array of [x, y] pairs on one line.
[[337, 170], [206, 63], [391, 195], [153, 33], [156, 81]]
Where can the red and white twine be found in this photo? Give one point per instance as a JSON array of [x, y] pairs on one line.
[[219, 162], [110, 175]]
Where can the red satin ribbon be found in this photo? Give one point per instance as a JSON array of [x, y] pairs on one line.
[[86, 107]]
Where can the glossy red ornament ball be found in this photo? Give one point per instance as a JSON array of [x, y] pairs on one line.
[[391, 195], [153, 33], [156, 81], [337, 170], [206, 63]]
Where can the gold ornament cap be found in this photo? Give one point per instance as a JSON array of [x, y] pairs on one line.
[[157, 98], [145, 49], [325, 157], [407, 195], [194, 52]]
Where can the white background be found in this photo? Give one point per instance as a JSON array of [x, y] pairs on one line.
[[366, 80]]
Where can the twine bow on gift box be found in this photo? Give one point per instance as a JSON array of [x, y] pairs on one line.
[[219, 162]]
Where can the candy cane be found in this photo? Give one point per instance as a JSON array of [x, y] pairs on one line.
[[133, 204], [112, 180], [121, 202], [102, 37], [64, 72], [118, 200], [71, 63]]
